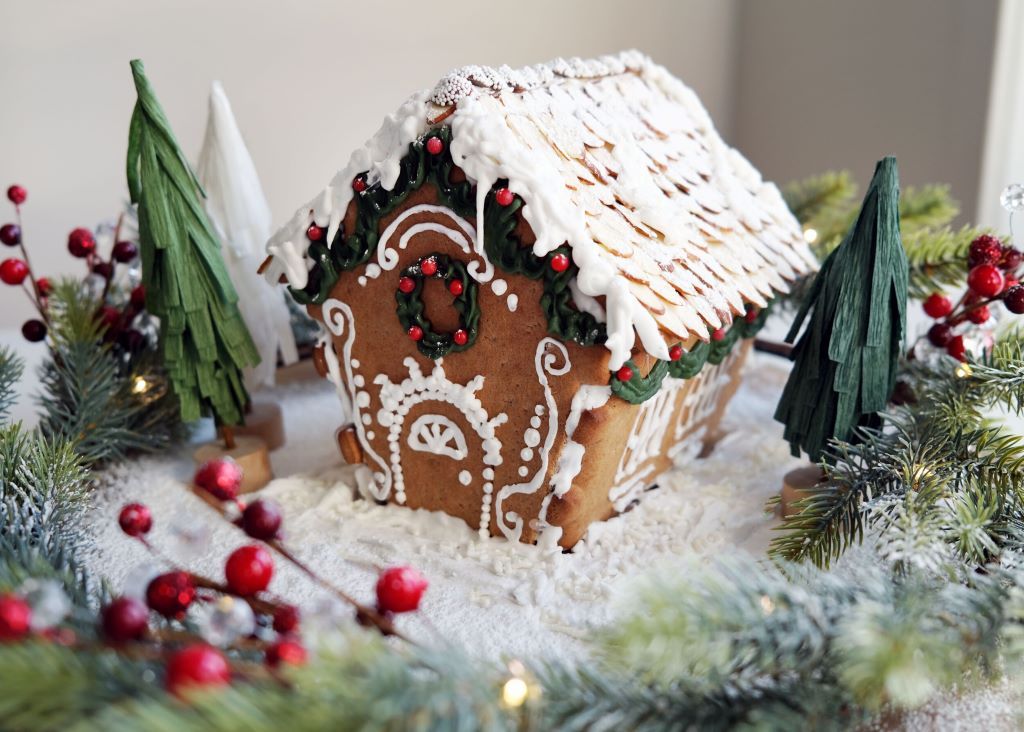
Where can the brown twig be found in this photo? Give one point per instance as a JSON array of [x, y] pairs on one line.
[[773, 347], [34, 296]]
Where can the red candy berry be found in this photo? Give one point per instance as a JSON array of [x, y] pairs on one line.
[[124, 252], [415, 332], [33, 330], [314, 233], [399, 590], [10, 234], [938, 306], [940, 334], [624, 374], [985, 280], [406, 284], [135, 519], [359, 184], [455, 287], [675, 353], [979, 314], [262, 519], [286, 619], [504, 197], [956, 347], [220, 477], [198, 666], [13, 271], [249, 570], [125, 619], [138, 297], [428, 266], [287, 652], [984, 250], [1014, 299], [718, 334], [435, 146], [460, 337], [15, 618], [81, 243], [560, 262], [17, 195], [1011, 259], [171, 594]]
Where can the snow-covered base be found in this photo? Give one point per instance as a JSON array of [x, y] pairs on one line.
[[496, 598]]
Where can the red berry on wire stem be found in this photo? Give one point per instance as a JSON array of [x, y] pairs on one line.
[[15, 618], [937, 306], [135, 519], [979, 314], [81, 243], [44, 287], [940, 334], [171, 594], [1011, 259], [198, 666], [262, 519], [103, 269], [33, 330], [10, 234], [220, 477], [125, 619], [249, 570], [1013, 299], [286, 652], [124, 252], [985, 249], [985, 280], [17, 194], [138, 297], [956, 347], [13, 271], [399, 590], [286, 619]]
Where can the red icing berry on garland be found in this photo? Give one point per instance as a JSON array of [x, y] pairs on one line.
[[624, 374], [17, 194], [1014, 299], [314, 232], [435, 146], [415, 332], [751, 315], [262, 519], [940, 334], [455, 287], [718, 334], [429, 266], [399, 590], [287, 652], [15, 618], [81, 243], [979, 315], [985, 280], [249, 569], [460, 337], [937, 306], [359, 184], [220, 477], [984, 250], [13, 271], [125, 619], [956, 347], [286, 619], [135, 519], [171, 594], [675, 353], [198, 666], [504, 197], [559, 262], [10, 234], [33, 330], [124, 252], [406, 284]]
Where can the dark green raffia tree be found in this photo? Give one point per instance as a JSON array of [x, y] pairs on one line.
[[204, 341], [846, 360]]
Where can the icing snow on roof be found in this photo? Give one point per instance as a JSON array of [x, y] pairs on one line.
[[616, 157]]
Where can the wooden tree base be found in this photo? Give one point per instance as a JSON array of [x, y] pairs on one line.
[[250, 453], [265, 421], [796, 485]]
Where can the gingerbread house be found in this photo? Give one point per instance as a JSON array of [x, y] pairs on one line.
[[537, 288]]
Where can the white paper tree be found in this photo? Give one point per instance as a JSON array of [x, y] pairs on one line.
[[238, 208]]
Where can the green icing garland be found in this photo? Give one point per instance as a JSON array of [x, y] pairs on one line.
[[410, 307], [638, 389], [349, 250]]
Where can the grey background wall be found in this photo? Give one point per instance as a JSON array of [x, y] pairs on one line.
[[799, 85]]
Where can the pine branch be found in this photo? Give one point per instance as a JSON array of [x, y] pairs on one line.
[[11, 368]]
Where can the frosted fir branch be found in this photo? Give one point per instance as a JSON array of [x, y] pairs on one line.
[[11, 369]]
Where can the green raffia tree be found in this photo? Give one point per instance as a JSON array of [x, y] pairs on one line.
[[845, 362], [205, 343]]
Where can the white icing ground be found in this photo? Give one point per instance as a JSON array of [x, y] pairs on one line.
[[494, 597]]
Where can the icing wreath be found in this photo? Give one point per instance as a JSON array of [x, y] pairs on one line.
[[457, 281]]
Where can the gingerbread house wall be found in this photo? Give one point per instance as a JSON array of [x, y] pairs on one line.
[[485, 434]]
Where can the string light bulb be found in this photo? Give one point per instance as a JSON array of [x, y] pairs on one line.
[[963, 370], [810, 235], [140, 385], [148, 388], [517, 689]]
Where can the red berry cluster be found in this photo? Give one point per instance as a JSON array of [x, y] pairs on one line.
[[82, 245], [992, 275]]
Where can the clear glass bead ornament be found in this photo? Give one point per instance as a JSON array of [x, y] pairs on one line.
[[189, 541], [323, 621], [138, 579], [1012, 197], [49, 603], [225, 620]]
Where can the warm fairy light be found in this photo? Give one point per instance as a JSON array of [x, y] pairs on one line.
[[147, 389], [963, 370], [140, 385], [514, 692], [767, 605], [810, 235]]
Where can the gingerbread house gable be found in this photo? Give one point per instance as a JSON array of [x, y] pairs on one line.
[[620, 254]]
